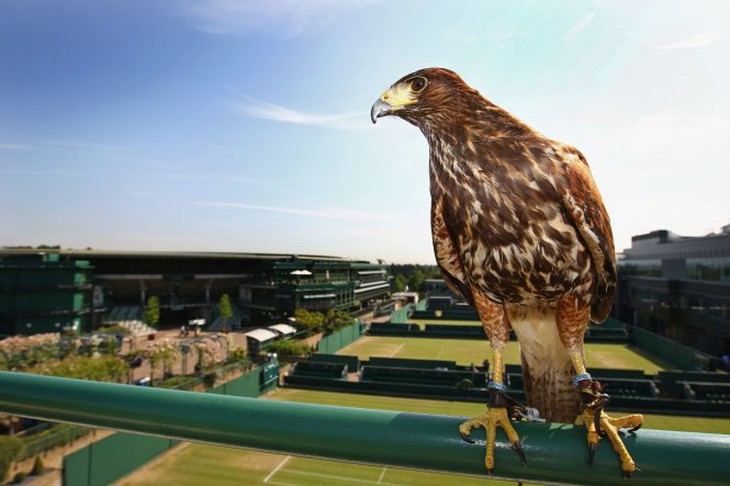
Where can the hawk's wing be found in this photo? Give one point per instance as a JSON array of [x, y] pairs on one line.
[[447, 256], [584, 207]]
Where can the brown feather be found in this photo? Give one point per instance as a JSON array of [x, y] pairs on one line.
[[517, 219]]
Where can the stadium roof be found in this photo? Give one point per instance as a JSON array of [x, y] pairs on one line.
[[194, 254]]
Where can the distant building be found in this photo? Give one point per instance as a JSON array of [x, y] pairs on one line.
[[678, 287], [115, 286], [40, 292]]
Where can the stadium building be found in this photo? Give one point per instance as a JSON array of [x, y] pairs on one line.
[[41, 292], [83, 289], [678, 287]]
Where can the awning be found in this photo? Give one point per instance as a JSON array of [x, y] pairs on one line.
[[261, 335], [284, 329]]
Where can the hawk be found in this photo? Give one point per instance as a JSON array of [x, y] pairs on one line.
[[521, 232]]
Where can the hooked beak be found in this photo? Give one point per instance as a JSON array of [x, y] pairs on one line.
[[392, 100], [380, 108]]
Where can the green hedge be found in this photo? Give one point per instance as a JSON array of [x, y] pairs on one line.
[[10, 449]]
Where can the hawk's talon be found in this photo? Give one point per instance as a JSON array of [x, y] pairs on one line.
[[591, 453], [609, 427], [466, 438], [597, 422], [517, 447]]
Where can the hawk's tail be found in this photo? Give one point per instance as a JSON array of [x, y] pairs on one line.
[[546, 367]]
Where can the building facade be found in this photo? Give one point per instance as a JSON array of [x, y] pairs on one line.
[[115, 286], [678, 287], [40, 292]]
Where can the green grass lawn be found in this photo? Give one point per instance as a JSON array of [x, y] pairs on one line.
[[193, 464], [468, 351]]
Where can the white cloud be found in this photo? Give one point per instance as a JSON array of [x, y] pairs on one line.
[[269, 111], [313, 213], [579, 26], [54, 173], [287, 17], [84, 146], [13, 146], [698, 40]]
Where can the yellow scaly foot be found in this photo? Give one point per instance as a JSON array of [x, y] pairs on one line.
[[599, 424], [493, 418]]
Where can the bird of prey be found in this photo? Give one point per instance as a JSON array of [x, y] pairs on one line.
[[521, 232]]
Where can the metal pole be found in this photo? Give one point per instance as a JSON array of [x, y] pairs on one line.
[[556, 453]]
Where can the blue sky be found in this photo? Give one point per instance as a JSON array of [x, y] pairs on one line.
[[221, 125]]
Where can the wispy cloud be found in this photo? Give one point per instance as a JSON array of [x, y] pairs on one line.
[[698, 40], [270, 111], [13, 146], [53, 173], [579, 26], [311, 213], [289, 18], [84, 146], [214, 177], [51, 143]]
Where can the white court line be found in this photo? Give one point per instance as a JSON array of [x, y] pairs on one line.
[[276, 469], [382, 474], [396, 350], [330, 476]]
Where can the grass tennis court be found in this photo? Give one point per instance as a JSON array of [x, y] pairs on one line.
[[193, 464], [468, 351]]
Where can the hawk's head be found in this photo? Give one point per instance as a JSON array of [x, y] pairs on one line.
[[422, 94]]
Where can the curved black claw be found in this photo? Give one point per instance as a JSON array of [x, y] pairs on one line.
[[634, 429], [597, 422], [467, 439], [520, 453], [591, 454], [598, 405]]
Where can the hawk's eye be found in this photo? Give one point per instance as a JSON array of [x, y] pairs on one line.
[[418, 84]]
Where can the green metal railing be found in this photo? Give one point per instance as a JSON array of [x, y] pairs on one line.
[[556, 453]]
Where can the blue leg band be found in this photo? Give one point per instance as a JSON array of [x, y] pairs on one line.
[[583, 376]]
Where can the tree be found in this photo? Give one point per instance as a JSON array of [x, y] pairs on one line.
[[226, 310], [336, 319], [415, 281], [400, 282], [152, 311], [309, 321], [288, 349]]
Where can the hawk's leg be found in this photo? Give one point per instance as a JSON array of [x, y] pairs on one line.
[[500, 408], [598, 423], [572, 319]]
